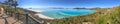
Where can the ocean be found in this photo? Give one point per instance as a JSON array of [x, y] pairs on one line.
[[64, 13]]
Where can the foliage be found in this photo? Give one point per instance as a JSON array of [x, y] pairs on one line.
[[102, 16]]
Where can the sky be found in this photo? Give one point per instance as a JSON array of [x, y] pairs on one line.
[[67, 3]]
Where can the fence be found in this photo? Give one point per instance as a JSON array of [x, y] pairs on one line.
[[25, 18]]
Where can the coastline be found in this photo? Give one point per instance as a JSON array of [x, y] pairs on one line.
[[37, 10], [41, 15]]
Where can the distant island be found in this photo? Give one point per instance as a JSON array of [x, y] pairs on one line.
[[79, 8]]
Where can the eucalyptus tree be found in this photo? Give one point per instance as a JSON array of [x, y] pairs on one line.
[[15, 4], [12, 3]]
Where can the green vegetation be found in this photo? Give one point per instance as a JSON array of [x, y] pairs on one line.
[[101, 16], [110, 18]]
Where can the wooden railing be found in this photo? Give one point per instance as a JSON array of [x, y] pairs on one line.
[[26, 18]]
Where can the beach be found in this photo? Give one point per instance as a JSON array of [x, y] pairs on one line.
[[41, 15], [37, 10]]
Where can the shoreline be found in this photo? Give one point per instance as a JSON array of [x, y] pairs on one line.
[[37, 10], [41, 15]]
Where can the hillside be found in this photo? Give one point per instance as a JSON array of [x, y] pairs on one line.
[[101, 16]]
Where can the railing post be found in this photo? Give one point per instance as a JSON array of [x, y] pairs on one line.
[[26, 18], [6, 22]]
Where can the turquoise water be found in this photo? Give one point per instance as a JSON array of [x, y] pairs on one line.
[[65, 13]]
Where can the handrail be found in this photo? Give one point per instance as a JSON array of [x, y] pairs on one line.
[[6, 22], [29, 16], [33, 18]]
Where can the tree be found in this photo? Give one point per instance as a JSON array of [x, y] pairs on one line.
[[11, 3], [14, 4]]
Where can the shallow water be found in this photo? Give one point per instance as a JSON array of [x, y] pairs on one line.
[[65, 13]]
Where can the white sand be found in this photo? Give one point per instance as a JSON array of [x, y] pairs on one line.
[[41, 15], [37, 10]]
